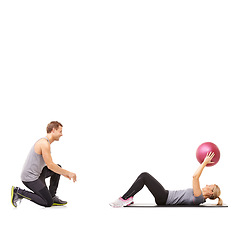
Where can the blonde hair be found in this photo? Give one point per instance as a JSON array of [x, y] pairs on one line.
[[216, 194]]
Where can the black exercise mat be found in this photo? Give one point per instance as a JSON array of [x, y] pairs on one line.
[[154, 205]]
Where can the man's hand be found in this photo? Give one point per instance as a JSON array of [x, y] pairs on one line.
[[70, 176]]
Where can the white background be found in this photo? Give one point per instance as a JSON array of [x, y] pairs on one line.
[[138, 86]]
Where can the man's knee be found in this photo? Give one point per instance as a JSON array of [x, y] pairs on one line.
[[46, 196], [49, 203]]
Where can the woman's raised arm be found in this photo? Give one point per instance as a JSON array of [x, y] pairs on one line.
[[196, 184]]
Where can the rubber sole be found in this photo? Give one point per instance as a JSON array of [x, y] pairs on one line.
[[12, 194], [58, 204]]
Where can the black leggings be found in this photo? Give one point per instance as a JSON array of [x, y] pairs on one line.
[[157, 190], [41, 195]]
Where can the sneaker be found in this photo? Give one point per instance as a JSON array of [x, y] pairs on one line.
[[58, 202], [120, 202], [14, 196]]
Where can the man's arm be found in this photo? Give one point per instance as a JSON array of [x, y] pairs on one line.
[[45, 146]]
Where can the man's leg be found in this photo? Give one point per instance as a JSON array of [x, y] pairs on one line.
[[40, 194], [54, 181]]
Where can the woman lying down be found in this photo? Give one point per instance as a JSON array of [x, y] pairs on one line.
[[191, 196]]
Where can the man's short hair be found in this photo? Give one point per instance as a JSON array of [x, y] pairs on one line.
[[52, 125]]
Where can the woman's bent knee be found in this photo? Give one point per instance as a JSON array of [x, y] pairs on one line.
[[144, 174]]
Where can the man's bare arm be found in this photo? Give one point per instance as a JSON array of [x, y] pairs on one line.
[[45, 147]]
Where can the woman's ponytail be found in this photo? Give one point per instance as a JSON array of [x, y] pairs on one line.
[[220, 201], [216, 194]]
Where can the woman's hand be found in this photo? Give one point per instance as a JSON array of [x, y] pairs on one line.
[[209, 157]]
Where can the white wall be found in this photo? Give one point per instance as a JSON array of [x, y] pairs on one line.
[[138, 86]]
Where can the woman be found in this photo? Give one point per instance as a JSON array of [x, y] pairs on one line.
[[191, 196]]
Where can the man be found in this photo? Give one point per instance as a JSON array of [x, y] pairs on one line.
[[38, 166]]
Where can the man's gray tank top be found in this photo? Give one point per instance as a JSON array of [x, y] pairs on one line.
[[33, 165]]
